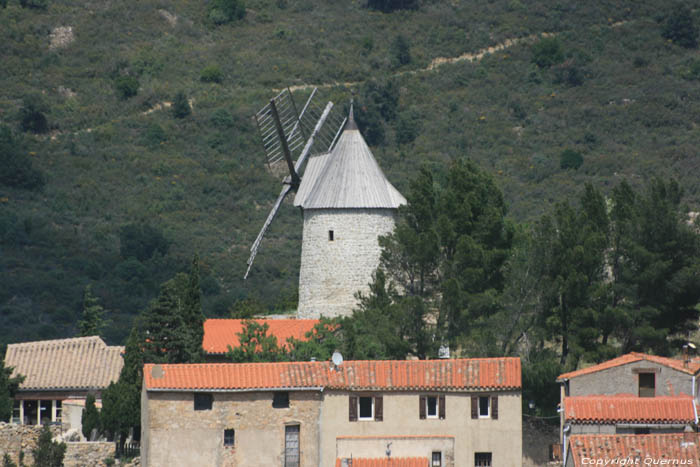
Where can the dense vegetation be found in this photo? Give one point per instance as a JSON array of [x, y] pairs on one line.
[[103, 184]]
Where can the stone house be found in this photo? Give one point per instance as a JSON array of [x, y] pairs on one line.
[[219, 334], [645, 450], [617, 396], [58, 376], [457, 412]]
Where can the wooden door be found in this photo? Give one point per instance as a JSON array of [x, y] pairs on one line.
[[291, 446]]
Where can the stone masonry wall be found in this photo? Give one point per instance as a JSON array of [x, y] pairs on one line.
[[93, 454], [15, 438], [333, 271], [174, 434]]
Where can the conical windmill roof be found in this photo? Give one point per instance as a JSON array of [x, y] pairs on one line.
[[348, 177]]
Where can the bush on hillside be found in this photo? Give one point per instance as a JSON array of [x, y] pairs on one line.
[[37, 4], [547, 52], [226, 11], [141, 241], [126, 86], [387, 6], [181, 106], [680, 27], [15, 167], [570, 159], [32, 114], [211, 74], [400, 51]]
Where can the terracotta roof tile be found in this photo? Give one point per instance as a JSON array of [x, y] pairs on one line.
[[78, 363], [691, 368], [220, 333], [627, 408], [639, 449], [385, 462], [455, 374]]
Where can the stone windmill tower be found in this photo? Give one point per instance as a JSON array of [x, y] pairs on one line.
[[347, 204], [346, 201]]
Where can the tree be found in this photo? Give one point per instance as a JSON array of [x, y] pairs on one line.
[[126, 86], [8, 388], [547, 52], [226, 11], [141, 241], [92, 320], [387, 6], [680, 27], [48, 453], [32, 114], [181, 106], [16, 168], [570, 159], [192, 314], [319, 343], [256, 345], [90, 418], [400, 51], [6, 460]]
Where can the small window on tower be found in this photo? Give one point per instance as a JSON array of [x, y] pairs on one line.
[[330, 236]]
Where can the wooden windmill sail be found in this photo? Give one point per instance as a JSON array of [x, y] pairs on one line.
[[288, 135]]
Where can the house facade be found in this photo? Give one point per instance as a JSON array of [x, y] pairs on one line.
[[457, 412], [58, 376]]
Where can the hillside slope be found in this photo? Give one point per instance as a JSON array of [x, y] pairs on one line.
[[623, 97]]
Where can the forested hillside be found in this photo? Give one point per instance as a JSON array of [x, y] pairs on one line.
[[128, 147]]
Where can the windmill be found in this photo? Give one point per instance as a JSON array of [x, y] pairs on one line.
[[288, 135]]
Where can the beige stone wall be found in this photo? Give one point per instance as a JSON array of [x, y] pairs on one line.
[[333, 271], [501, 437], [83, 454], [174, 434], [15, 438]]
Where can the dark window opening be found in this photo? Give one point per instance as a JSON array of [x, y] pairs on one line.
[[203, 401], [330, 236], [280, 400], [437, 459], [483, 406], [642, 431], [366, 409], [482, 459], [229, 437], [431, 406], [30, 410], [647, 384]]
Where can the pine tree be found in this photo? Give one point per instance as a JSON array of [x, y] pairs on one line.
[[181, 106], [92, 321], [8, 387], [48, 453], [90, 419], [193, 317]]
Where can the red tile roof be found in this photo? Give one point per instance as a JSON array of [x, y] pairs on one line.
[[220, 333], [691, 368], [385, 462], [635, 449], [627, 408], [457, 374]]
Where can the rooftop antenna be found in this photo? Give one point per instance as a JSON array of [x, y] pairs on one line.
[[287, 134]]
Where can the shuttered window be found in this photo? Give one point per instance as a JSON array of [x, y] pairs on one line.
[[475, 407], [422, 407], [378, 409], [441, 407], [494, 407], [365, 408]]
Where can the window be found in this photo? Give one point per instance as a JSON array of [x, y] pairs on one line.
[[331, 236], [16, 413], [59, 411], [437, 459], [291, 446], [202, 401], [45, 412], [229, 437], [485, 407], [280, 400], [647, 384], [366, 408], [482, 459], [431, 407]]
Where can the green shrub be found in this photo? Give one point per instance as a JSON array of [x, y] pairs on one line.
[[15, 167], [568, 73], [126, 86], [141, 241], [400, 51], [225, 11], [388, 6], [570, 159], [90, 419], [222, 118], [680, 27], [48, 453], [212, 74], [6, 461], [181, 106], [547, 52], [692, 73], [31, 115], [154, 135], [407, 127], [37, 4]]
